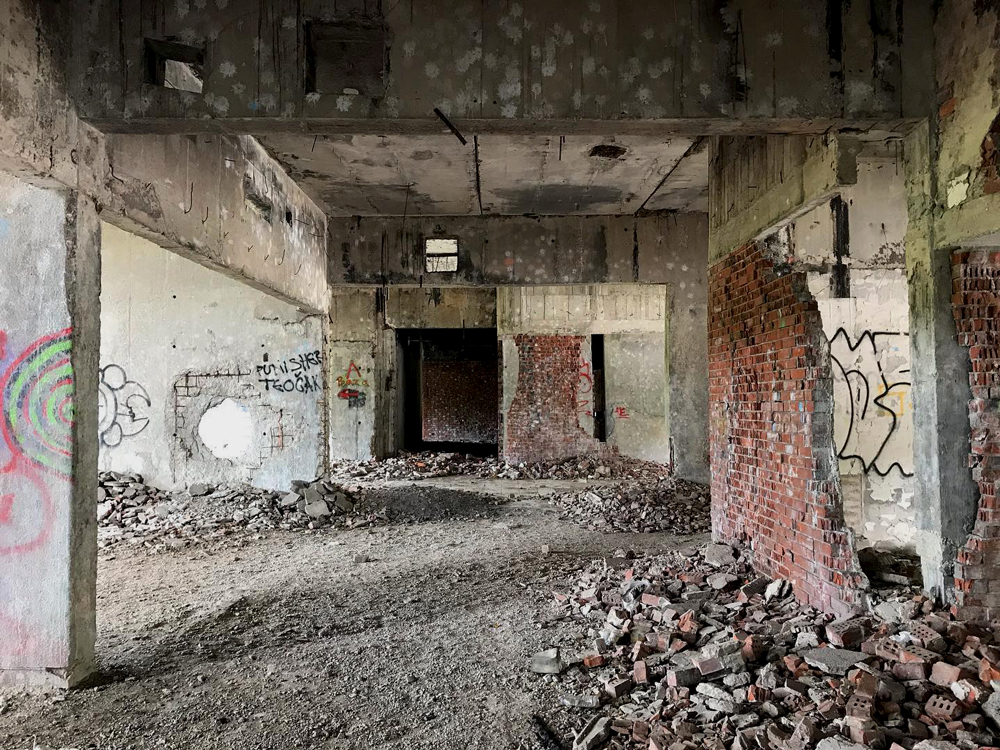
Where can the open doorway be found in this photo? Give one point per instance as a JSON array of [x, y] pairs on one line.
[[450, 390]]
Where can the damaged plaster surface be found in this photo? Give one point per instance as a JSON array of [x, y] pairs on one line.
[[967, 34], [203, 379], [220, 201], [857, 275], [632, 320], [508, 250], [606, 59]]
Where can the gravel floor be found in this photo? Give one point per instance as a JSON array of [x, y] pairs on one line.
[[289, 641]]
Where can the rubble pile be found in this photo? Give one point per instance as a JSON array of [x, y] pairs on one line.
[[130, 510], [428, 465], [695, 650], [674, 505]]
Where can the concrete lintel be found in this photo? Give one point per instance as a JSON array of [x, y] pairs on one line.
[[869, 129], [975, 223], [220, 201], [514, 250], [794, 175]]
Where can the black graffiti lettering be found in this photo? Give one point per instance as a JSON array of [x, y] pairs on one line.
[[855, 376], [298, 366]]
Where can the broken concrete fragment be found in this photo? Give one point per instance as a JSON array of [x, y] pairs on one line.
[[721, 581], [594, 734], [718, 555], [775, 590], [198, 489], [547, 662], [580, 701], [318, 509], [992, 709], [897, 611], [838, 743], [833, 660]]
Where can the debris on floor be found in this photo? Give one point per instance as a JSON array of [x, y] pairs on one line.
[[607, 465], [695, 650], [671, 504], [130, 510]]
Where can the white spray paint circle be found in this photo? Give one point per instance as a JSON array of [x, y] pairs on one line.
[[226, 429]]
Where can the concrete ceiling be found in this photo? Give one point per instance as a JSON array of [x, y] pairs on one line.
[[435, 175]]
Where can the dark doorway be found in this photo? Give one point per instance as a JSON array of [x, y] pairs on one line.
[[450, 392]]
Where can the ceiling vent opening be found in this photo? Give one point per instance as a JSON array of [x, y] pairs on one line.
[[346, 59], [173, 65], [608, 151]]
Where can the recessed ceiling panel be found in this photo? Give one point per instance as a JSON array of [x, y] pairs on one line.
[[381, 176], [573, 174]]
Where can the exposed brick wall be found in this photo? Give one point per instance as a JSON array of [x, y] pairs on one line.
[[542, 423], [976, 305], [774, 477], [459, 401]]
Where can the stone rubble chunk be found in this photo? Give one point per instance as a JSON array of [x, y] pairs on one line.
[[835, 661], [547, 662]]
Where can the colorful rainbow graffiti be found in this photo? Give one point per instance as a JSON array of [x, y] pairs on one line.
[[36, 421]]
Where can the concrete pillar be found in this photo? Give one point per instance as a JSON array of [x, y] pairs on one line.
[[352, 345], [49, 355], [687, 360], [946, 497]]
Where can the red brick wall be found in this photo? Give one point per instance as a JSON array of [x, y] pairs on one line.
[[976, 305], [542, 423], [774, 476], [459, 401]]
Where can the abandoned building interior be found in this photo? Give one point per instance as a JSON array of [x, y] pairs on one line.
[[352, 348]]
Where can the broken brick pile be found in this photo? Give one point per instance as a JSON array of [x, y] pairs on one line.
[[131, 511], [674, 505], [695, 650], [428, 465]]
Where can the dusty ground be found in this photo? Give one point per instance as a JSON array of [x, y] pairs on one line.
[[287, 641]]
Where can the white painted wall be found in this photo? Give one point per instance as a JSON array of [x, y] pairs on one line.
[[178, 339]]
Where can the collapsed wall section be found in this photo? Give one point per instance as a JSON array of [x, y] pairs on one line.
[[543, 420], [774, 477], [975, 302], [203, 379]]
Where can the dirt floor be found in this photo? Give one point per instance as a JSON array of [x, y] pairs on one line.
[[410, 635]]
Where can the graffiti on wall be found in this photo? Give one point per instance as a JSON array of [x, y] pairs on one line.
[[121, 406], [617, 411], [36, 421], [298, 374], [871, 376], [351, 385], [585, 389]]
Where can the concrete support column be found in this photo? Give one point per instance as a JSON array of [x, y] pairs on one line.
[[946, 496], [352, 346], [687, 360], [49, 356]]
